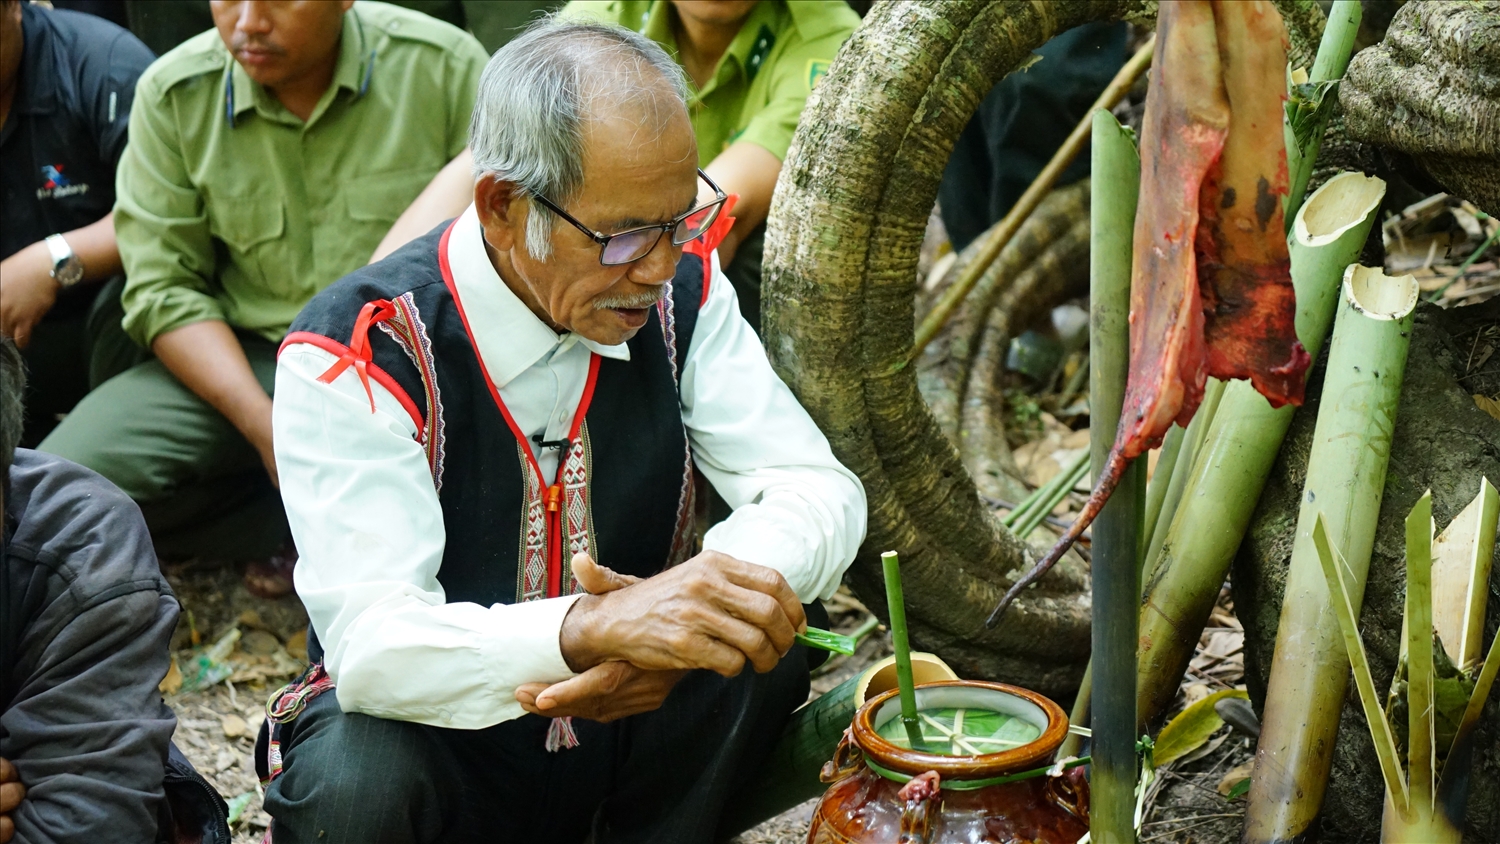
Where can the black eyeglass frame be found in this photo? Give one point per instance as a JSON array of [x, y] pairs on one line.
[[661, 228]]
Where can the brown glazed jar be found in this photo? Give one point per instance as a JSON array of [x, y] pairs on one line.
[[882, 793]]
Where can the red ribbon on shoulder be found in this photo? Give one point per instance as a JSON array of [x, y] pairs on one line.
[[358, 353]]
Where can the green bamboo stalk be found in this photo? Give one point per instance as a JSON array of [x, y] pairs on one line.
[[1345, 480], [1241, 445], [896, 604], [1197, 432], [1334, 52], [1161, 478], [1116, 573], [1419, 671], [1334, 567], [1079, 714]]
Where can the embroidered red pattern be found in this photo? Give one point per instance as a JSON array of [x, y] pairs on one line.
[[406, 328]]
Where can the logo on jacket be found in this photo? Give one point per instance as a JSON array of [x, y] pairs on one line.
[[57, 185]]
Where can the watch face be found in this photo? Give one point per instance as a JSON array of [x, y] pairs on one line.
[[69, 272]]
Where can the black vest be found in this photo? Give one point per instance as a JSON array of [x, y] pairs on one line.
[[623, 491]]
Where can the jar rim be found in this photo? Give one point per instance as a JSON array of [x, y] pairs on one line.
[[911, 762]]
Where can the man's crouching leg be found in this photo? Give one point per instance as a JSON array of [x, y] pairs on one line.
[[349, 777], [684, 762]]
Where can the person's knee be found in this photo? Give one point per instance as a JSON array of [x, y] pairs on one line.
[[351, 777]]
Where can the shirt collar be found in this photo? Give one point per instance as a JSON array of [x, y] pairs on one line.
[[657, 26], [510, 338], [348, 73]]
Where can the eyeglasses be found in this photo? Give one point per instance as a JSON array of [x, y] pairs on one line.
[[635, 244]]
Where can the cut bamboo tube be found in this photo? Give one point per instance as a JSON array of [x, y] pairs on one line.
[[789, 775], [1241, 445], [1420, 740], [1035, 193], [1345, 480], [1461, 560], [1116, 572]]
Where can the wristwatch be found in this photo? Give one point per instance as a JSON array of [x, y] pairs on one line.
[[66, 266]]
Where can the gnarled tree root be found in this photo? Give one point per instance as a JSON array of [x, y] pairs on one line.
[[844, 234]]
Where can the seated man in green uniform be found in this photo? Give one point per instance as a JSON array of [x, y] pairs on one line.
[[750, 66], [266, 159]]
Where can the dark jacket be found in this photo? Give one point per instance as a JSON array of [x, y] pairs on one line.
[[86, 619]]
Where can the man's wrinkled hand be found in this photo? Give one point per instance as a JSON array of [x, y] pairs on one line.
[[607, 692], [11, 794], [713, 612], [27, 292]]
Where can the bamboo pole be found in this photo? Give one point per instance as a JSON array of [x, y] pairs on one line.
[[1038, 190], [1161, 478], [1240, 448], [1345, 480], [1334, 52], [1116, 574]]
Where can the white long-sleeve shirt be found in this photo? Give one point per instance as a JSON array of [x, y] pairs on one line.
[[369, 527]]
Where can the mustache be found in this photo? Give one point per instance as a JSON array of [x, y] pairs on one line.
[[632, 301], [240, 41]]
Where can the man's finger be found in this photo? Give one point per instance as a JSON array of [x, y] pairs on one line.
[[750, 641], [762, 611], [10, 796], [597, 579], [7, 771], [770, 582], [602, 679], [7, 829]]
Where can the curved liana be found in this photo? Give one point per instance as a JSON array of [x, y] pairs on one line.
[[1211, 289]]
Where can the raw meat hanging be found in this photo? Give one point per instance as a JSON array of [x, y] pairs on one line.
[[1211, 288]]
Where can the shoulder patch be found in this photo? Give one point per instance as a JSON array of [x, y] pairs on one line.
[[816, 70]]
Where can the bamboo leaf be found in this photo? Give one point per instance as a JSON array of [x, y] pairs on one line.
[[1380, 729], [1419, 669], [1192, 727]]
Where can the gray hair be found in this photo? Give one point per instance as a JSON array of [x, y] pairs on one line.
[[536, 94], [12, 398]]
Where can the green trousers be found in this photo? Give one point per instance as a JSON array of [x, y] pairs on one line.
[[77, 347], [199, 482]]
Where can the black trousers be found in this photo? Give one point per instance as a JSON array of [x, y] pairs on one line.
[[662, 776]]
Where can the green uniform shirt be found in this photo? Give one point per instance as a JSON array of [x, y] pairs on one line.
[[761, 84], [245, 218]]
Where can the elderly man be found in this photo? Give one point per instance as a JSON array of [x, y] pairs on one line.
[[485, 445], [267, 159]]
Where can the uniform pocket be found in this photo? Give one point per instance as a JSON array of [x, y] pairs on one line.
[[372, 204], [251, 229]]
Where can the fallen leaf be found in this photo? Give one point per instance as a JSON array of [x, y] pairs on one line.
[[172, 683], [237, 806], [296, 645], [1488, 405], [1192, 727], [234, 726], [1237, 781]]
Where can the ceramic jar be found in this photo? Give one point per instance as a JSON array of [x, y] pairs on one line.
[[883, 793]]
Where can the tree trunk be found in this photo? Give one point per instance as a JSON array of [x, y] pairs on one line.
[[1430, 90], [838, 288]]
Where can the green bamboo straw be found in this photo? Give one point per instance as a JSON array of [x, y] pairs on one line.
[[906, 689]]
